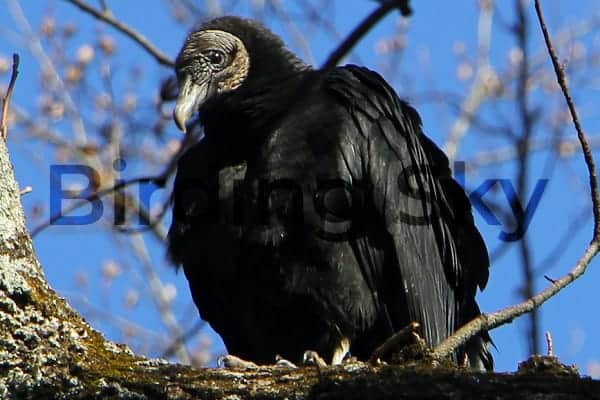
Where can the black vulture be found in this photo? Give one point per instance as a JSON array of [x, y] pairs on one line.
[[315, 214]]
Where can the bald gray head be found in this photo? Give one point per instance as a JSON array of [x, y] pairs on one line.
[[222, 55]]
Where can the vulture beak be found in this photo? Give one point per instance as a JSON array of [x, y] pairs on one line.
[[191, 96]]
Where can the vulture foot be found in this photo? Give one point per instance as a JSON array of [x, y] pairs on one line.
[[311, 357], [282, 362], [236, 363], [340, 352], [232, 362]]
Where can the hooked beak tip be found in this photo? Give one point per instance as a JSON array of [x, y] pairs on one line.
[[190, 98], [180, 121]]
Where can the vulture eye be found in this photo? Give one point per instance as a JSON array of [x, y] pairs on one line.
[[215, 57]]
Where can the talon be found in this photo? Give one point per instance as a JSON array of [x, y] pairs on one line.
[[311, 357], [232, 362], [465, 361], [283, 363], [350, 360], [340, 351]]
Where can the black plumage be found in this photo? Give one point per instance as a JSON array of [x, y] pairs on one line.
[[314, 213]]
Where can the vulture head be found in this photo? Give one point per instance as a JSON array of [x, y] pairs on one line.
[[223, 57]]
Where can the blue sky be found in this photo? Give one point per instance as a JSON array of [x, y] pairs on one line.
[[428, 62]]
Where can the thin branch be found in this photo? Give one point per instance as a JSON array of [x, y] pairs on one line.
[[362, 29], [481, 88], [562, 243], [159, 180], [297, 36], [585, 146], [159, 297], [156, 179], [527, 122], [94, 312], [549, 346], [107, 17], [565, 147], [501, 317], [25, 190], [45, 61], [151, 222], [182, 338], [6, 99]]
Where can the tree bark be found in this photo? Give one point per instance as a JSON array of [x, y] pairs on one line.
[[47, 351]]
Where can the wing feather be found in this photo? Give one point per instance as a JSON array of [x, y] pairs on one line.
[[438, 252]]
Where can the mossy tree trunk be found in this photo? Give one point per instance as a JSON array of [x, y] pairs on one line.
[[48, 351]]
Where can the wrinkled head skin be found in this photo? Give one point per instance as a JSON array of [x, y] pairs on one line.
[[216, 59], [211, 62]]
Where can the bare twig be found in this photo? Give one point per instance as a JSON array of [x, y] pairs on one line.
[[483, 86], [94, 312], [6, 99], [162, 303], [180, 340], [564, 147], [46, 62], [562, 242], [151, 222], [128, 31], [501, 317], [156, 179], [25, 190], [159, 180], [298, 37], [362, 29], [550, 347], [585, 146], [527, 122]]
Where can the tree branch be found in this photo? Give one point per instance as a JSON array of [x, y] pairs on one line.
[[494, 320], [527, 121], [491, 321], [107, 17], [481, 88], [159, 180], [585, 146], [6, 99], [363, 28], [97, 195]]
